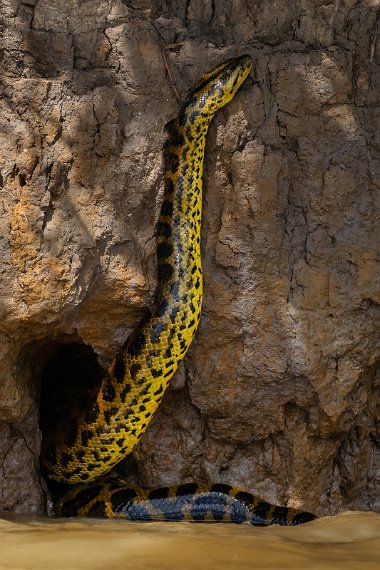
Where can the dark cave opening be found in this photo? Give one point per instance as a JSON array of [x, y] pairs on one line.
[[67, 374], [71, 372]]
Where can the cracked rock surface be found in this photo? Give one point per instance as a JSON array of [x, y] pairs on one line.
[[279, 393]]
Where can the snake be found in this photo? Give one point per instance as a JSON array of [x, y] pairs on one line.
[[86, 444]]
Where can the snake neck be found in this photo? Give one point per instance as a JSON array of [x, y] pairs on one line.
[[179, 225]]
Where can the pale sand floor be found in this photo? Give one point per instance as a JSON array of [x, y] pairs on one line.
[[348, 541]]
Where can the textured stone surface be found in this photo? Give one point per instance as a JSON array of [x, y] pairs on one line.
[[279, 392]]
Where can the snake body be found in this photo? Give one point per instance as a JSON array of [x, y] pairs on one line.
[[88, 444]]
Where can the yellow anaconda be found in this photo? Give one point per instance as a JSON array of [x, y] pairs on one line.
[[87, 445]]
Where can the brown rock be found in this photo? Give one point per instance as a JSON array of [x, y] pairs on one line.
[[279, 393]]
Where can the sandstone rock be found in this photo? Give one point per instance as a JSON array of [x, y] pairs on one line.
[[279, 392]]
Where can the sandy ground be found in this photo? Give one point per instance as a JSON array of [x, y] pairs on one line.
[[348, 541]]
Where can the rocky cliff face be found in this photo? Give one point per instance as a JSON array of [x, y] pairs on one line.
[[278, 393]]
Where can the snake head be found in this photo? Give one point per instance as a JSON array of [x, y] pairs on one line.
[[215, 89]]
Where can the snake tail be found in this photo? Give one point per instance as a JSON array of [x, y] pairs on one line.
[[187, 502]]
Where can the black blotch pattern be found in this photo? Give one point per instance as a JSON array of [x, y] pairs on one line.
[[302, 518], [279, 516], [259, 514], [172, 161], [134, 369], [244, 497], [96, 456], [122, 499], [164, 250], [167, 208], [169, 186], [137, 344], [68, 474], [86, 435], [162, 272], [176, 137], [186, 489], [80, 454], [124, 393], [169, 351], [221, 488], [107, 416], [164, 229], [159, 390], [109, 413], [161, 493]]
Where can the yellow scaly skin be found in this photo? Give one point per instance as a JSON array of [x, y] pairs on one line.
[[92, 441], [84, 447]]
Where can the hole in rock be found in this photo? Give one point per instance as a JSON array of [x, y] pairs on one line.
[[66, 373], [70, 373]]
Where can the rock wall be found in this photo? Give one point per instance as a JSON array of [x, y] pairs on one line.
[[278, 393]]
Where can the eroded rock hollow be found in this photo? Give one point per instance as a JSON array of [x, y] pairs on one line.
[[279, 392]]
